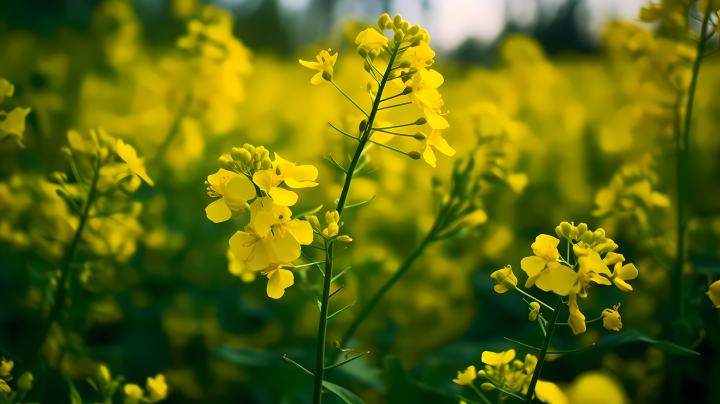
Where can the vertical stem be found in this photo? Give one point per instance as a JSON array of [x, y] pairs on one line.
[[365, 136], [683, 142], [543, 351], [174, 129], [60, 295]]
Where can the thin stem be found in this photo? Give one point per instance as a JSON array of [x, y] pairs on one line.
[[298, 365], [347, 360], [348, 97], [683, 141], [398, 126], [393, 133], [543, 352], [534, 298], [388, 147], [391, 97], [364, 138], [587, 322], [61, 293], [479, 393], [396, 105]]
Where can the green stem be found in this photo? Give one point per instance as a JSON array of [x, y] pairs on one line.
[[479, 393], [683, 141], [365, 136], [534, 298], [348, 97], [61, 293], [396, 105], [543, 352]]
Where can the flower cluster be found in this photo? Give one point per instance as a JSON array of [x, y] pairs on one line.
[[12, 124], [249, 180]]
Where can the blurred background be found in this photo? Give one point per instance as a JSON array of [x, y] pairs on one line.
[[569, 109]]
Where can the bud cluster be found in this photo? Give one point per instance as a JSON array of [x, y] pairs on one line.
[[585, 238], [333, 226], [247, 159]]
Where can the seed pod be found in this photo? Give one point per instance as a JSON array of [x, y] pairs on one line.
[[415, 155]]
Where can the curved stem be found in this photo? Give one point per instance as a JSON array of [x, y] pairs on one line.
[[534, 298], [61, 293], [543, 351], [348, 97], [363, 139]]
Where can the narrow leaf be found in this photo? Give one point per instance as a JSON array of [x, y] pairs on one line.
[[341, 310], [345, 395], [335, 163], [359, 203]]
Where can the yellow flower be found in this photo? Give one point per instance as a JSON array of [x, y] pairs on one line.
[[254, 251], [466, 377], [534, 311], [324, 65], [5, 367], [234, 190], [549, 392], [290, 174], [4, 386], [136, 164], [622, 273], [25, 381], [505, 278], [13, 123], [611, 318], [427, 98], [369, 40], [279, 279], [332, 219], [576, 321], [157, 388], [133, 392], [546, 256], [497, 359], [435, 140], [6, 89], [714, 294], [237, 268]]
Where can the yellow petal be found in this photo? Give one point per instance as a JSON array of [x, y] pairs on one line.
[[287, 248], [497, 359], [283, 196], [311, 65], [429, 156], [218, 211], [301, 230], [263, 222], [263, 179], [317, 79], [549, 392], [293, 183], [238, 191], [304, 173], [278, 281], [557, 278], [532, 266], [442, 146], [251, 250], [435, 120], [14, 122]]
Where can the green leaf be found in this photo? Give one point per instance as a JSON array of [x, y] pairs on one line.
[[335, 163], [403, 389], [359, 203], [344, 394], [629, 336], [74, 395]]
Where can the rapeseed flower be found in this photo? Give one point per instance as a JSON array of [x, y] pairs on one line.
[[714, 294], [135, 163], [324, 66], [611, 318], [290, 174], [466, 377], [234, 191], [505, 278], [546, 256], [437, 141]]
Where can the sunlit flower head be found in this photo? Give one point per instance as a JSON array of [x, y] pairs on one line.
[[279, 279], [324, 66], [370, 40], [505, 278], [234, 190], [466, 377], [136, 164], [437, 141], [546, 255], [611, 318], [497, 359], [287, 173]]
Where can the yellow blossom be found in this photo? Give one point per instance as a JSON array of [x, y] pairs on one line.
[[239, 269], [427, 98], [437, 141], [136, 164], [290, 174], [6, 89], [25, 381], [622, 273], [611, 318], [466, 377], [576, 321], [549, 392], [497, 359], [133, 393], [5, 367], [369, 40], [279, 279], [13, 123], [324, 66], [234, 190], [157, 388], [254, 251], [546, 255], [287, 233], [714, 294], [505, 278], [4, 386]]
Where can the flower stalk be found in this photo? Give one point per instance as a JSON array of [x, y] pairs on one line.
[[543, 351]]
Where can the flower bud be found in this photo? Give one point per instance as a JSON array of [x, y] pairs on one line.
[[487, 387], [397, 20], [565, 230], [405, 26], [374, 53], [413, 70], [332, 229], [344, 239], [534, 311], [362, 51], [404, 64], [265, 163], [256, 165], [581, 229], [225, 163], [383, 21], [587, 237], [366, 66], [415, 155], [313, 220], [250, 148], [611, 318], [420, 136], [505, 278], [421, 121], [398, 36], [327, 76], [25, 381], [103, 375], [416, 42], [482, 374], [414, 30], [407, 90], [363, 125]]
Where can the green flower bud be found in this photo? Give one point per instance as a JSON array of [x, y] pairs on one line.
[[362, 51], [414, 29], [404, 64], [407, 90], [265, 163], [25, 381], [397, 20], [581, 229], [421, 121], [405, 26], [313, 220], [249, 148], [327, 76], [383, 21], [398, 36], [420, 136], [487, 387], [415, 155], [363, 125], [225, 163], [344, 239]]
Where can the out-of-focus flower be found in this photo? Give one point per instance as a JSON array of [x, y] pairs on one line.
[[155, 390], [136, 164], [437, 141], [324, 66], [13, 124], [234, 190], [25, 381], [505, 278], [369, 40], [714, 294], [549, 392], [611, 318], [497, 359], [238, 268], [466, 377]]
